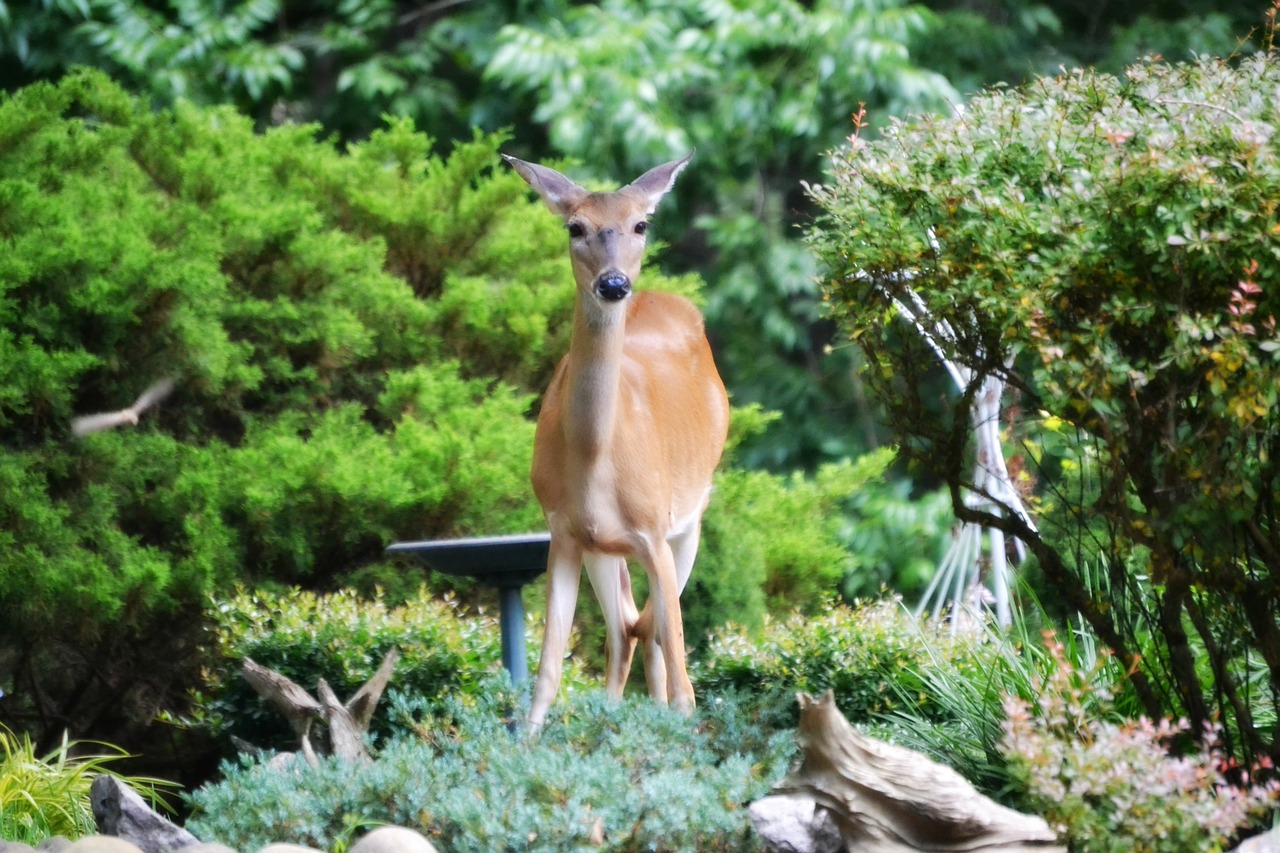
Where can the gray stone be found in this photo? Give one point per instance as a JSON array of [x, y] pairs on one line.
[[15, 847], [101, 844], [54, 844], [795, 824], [121, 811], [393, 839]]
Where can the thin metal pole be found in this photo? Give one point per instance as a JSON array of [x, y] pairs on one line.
[[511, 620]]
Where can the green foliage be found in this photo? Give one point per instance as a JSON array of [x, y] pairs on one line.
[[1116, 786], [357, 339], [634, 774], [1109, 238], [773, 543], [42, 796]]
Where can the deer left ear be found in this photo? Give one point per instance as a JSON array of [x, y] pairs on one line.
[[658, 181]]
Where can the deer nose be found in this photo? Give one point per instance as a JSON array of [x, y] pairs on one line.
[[612, 286]]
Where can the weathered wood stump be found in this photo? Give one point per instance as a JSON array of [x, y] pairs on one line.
[[854, 793], [347, 723]]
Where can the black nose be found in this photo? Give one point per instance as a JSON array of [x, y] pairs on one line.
[[612, 286]]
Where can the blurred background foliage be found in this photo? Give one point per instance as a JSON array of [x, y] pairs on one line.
[[760, 88], [294, 209]]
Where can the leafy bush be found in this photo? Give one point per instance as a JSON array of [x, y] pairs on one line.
[[938, 688], [626, 777], [864, 653], [342, 638], [773, 543], [46, 796], [1102, 245], [1109, 785]]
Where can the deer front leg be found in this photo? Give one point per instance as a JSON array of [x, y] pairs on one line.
[[564, 567], [612, 584]]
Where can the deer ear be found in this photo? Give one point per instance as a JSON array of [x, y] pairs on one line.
[[658, 181], [560, 194]]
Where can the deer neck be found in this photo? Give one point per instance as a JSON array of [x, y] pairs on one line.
[[594, 376]]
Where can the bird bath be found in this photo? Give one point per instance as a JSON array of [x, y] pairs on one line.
[[506, 562]]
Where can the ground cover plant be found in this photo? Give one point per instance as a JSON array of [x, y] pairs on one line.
[[599, 776]]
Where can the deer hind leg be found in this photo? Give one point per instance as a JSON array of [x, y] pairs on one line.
[[661, 627], [612, 584], [684, 548], [564, 568]]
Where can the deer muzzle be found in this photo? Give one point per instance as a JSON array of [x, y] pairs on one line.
[[612, 286]]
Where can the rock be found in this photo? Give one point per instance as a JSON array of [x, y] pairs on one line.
[[393, 839], [1267, 842], [15, 847], [208, 847], [54, 844], [121, 812], [281, 847], [792, 824], [101, 844], [882, 798]]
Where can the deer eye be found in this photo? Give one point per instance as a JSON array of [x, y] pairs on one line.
[[576, 230], [642, 227]]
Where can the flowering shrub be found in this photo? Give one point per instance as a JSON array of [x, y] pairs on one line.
[[1105, 246], [1115, 785]]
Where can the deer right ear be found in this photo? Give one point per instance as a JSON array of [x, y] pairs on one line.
[[559, 193]]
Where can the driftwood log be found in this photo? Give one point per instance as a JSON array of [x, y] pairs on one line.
[[346, 723], [855, 794]]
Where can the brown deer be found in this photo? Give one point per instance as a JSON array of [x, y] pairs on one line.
[[631, 430]]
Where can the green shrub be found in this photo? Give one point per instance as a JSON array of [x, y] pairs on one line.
[[357, 338], [635, 775], [772, 544], [46, 796]]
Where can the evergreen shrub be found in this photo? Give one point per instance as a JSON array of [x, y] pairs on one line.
[[356, 337]]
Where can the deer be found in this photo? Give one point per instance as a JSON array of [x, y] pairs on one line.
[[631, 429]]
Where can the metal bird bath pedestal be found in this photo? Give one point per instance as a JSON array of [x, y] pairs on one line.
[[506, 562]]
